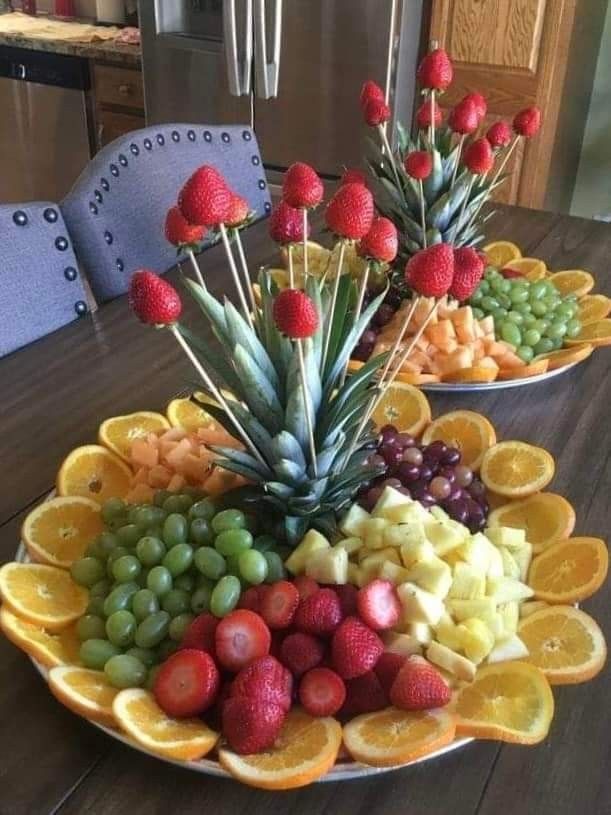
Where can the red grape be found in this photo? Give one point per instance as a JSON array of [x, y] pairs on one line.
[[390, 454], [383, 315], [440, 488], [457, 509], [477, 490], [388, 434], [404, 440], [464, 475], [392, 482], [449, 473], [413, 456], [436, 449], [451, 456], [408, 473], [426, 472]]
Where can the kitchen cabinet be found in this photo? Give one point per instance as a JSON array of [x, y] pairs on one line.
[[119, 101], [520, 53]]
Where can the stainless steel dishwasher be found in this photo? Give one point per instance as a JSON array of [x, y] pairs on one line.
[[44, 124]]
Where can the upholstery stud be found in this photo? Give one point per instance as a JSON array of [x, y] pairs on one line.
[[120, 264], [104, 184], [191, 135], [134, 149], [148, 144], [61, 243], [268, 206], [70, 273], [98, 196], [226, 137], [261, 184], [207, 136], [122, 160], [246, 135], [92, 208], [108, 237], [256, 160], [80, 307], [114, 170], [50, 215], [20, 218], [160, 139], [175, 136]]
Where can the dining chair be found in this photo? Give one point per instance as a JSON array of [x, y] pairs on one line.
[[116, 210], [40, 286]]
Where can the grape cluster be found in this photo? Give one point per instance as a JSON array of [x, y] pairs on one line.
[[531, 316], [154, 568], [429, 473], [383, 315]]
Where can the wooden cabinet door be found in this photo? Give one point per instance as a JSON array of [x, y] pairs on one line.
[[515, 53]]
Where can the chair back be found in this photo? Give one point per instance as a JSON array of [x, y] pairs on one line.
[[40, 287], [116, 210]]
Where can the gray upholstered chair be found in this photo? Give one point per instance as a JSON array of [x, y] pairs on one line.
[[117, 208], [40, 287]]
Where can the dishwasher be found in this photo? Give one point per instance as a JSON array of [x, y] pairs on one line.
[[45, 109]]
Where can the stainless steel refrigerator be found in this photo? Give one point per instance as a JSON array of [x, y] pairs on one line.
[[291, 69]]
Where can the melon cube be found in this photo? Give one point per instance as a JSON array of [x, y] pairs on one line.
[[406, 513], [484, 608], [506, 589], [391, 571], [403, 644], [328, 566], [421, 632], [390, 498], [510, 615], [523, 557], [144, 454], [351, 545], [444, 536], [446, 632], [510, 566], [373, 532]]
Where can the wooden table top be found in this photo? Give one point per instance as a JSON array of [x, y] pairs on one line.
[[54, 395]]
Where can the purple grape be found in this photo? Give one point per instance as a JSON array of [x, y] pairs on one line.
[[476, 524], [413, 455], [371, 497], [388, 434], [408, 473], [391, 455], [426, 472], [392, 482], [383, 315], [376, 460], [369, 337], [447, 472], [451, 456], [424, 497], [440, 488], [477, 490], [464, 475], [405, 441], [457, 509], [418, 486], [436, 449], [485, 506]]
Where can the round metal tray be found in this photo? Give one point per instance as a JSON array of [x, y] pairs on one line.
[[497, 385]]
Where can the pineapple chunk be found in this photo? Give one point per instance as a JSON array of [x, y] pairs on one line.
[[522, 557], [468, 582], [506, 536], [433, 575], [406, 513], [354, 574], [390, 498], [351, 545], [495, 564], [439, 514], [312, 542], [445, 536], [421, 632], [328, 566], [416, 551], [398, 534], [511, 648], [510, 567], [419, 606], [373, 532], [390, 571], [403, 644], [351, 524], [505, 589], [530, 606], [509, 614], [388, 553], [484, 608], [476, 639], [476, 552], [459, 666]]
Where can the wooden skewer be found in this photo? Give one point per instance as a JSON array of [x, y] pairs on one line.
[[235, 275], [291, 266], [432, 134], [358, 309], [306, 406], [399, 340], [245, 272], [422, 213], [306, 270], [391, 157], [340, 266], [458, 155], [506, 158], [196, 269]]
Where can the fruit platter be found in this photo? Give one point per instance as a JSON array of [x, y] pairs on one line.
[[299, 573]]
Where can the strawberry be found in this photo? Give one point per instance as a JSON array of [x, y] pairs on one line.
[[527, 122], [279, 605], [376, 112], [200, 633], [355, 648], [418, 164], [302, 188], [205, 198], [153, 300], [240, 637], [364, 694], [419, 686], [301, 652], [250, 599], [499, 135], [286, 224], [381, 243], [295, 314], [320, 613], [347, 597], [322, 692], [378, 605], [435, 70], [430, 271], [468, 271], [179, 232], [251, 725], [478, 157], [371, 90], [387, 667], [187, 683], [265, 679], [463, 117], [350, 212], [305, 585], [354, 176], [423, 114], [238, 212], [479, 101]]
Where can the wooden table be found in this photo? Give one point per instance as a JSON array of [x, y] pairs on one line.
[[55, 393]]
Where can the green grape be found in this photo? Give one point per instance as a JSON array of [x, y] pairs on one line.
[[544, 346], [87, 571], [112, 508], [145, 655], [155, 531], [160, 497], [515, 317], [565, 310], [201, 532], [573, 328], [129, 535], [176, 602], [526, 353], [523, 308], [175, 529], [504, 301], [151, 677], [530, 321], [233, 565], [489, 303], [500, 285], [153, 630], [233, 542], [96, 606], [275, 567], [518, 294], [178, 504], [499, 313], [531, 337], [194, 492], [120, 628], [90, 627], [106, 542], [202, 509], [131, 513], [144, 603], [150, 550], [228, 519], [539, 308], [225, 595], [556, 331], [484, 287], [557, 343], [537, 290], [179, 559], [210, 562], [126, 568], [200, 599], [511, 333], [166, 649], [95, 653], [478, 314], [179, 625], [116, 553], [253, 566], [283, 552], [476, 297], [120, 598], [100, 589], [263, 543], [146, 516], [542, 326], [159, 580], [186, 582], [124, 671]]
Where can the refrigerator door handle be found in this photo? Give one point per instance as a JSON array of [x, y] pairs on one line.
[[267, 73], [246, 66], [230, 37]]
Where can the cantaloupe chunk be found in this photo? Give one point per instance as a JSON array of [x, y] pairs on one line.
[[494, 348], [140, 494], [176, 457], [487, 324], [143, 453], [478, 331], [509, 360], [464, 323], [488, 362], [410, 367], [441, 332], [461, 358], [159, 476], [176, 483], [449, 346], [478, 350], [423, 343], [140, 476]]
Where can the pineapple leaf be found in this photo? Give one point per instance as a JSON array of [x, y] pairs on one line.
[[290, 471], [325, 459], [220, 372], [295, 416], [254, 429], [354, 385], [279, 347], [295, 529], [244, 459], [313, 291], [213, 310], [238, 469], [241, 334], [433, 185], [279, 489], [261, 397], [284, 445], [338, 320]]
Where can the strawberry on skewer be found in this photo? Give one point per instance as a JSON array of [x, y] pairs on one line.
[[435, 73], [376, 113], [239, 217], [464, 119], [286, 225], [185, 237], [418, 164], [303, 189]]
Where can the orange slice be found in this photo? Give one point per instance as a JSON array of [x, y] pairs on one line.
[[58, 531], [390, 737], [411, 378], [565, 643], [136, 711], [305, 750], [500, 253], [596, 333], [94, 472], [188, 415], [471, 432], [50, 649], [119, 432], [478, 373], [570, 570], [531, 268], [539, 366], [593, 307], [507, 701], [42, 594], [573, 281], [516, 469], [404, 406], [567, 356], [87, 693], [545, 518]]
